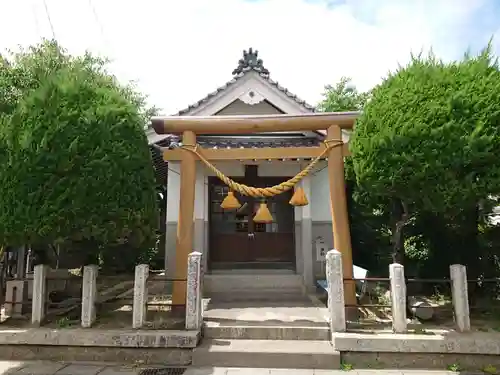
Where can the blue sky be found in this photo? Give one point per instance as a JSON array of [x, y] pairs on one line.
[[178, 51]]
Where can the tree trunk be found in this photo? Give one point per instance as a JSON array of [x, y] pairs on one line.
[[400, 218], [40, 255], [399, 213], [471, 255]]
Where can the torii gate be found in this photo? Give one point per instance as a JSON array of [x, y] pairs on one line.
[[189, 126]]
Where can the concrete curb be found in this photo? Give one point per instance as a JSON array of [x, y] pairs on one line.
[[444, 343], [100, 338]]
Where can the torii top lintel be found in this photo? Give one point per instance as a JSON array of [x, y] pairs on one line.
[[253, 123]]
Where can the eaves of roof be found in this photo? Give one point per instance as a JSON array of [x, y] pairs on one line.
[[238, 77]]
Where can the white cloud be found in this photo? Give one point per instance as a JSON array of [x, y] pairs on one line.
[[178, 51]]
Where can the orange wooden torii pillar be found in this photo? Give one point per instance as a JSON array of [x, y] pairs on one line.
[[189, 126]]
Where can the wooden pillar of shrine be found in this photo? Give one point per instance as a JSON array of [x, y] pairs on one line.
[[340, 218], [184, 242]]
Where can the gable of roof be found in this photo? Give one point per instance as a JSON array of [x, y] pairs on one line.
[[250, 63], [249, 67]]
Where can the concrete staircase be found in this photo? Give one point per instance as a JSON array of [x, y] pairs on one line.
[[263, 321]]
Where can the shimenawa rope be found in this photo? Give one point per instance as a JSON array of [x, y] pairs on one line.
[[267, 191]]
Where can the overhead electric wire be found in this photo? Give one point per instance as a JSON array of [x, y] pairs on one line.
[[47, 12], [99, 24]]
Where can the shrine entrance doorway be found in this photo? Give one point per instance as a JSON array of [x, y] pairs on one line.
[[237, 242]]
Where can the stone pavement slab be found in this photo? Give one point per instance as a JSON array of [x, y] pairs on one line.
[[39, 368]]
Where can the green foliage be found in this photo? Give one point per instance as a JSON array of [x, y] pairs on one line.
[[429, 134], [76, 161], [342, 97]]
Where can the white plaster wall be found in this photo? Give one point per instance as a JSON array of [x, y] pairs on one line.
[[306, 211], [278, 168], [173, 191], [230, 169], [320, 195], [199, 200]]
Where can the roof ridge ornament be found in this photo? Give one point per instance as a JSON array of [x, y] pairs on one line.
[[251, 61]]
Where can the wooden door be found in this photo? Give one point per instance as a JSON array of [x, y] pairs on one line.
[[229, 242], [236, 240], [274, 242]]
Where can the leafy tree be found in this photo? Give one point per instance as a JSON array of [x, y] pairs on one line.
[[429, 140], [342, 97], [367, 218], [76, 163]]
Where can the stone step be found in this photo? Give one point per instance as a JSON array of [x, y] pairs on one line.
[[265, 332], [235, 283], [266, 354], [256, 295]]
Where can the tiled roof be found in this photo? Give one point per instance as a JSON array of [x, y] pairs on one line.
[[241, 142], [160, 167], [249, 62]]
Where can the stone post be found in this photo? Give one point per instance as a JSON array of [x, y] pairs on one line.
[[15, 295], [140, 295], [460, 296], [194, 317], [335, 289], [89, 295], [39, 294], [398, 297]]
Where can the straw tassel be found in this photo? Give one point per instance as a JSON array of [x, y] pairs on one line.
[[230, 202], [263, 214], [299, 198]]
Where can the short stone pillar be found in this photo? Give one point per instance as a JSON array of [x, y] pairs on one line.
[[89, 295], [140, 307], [194, 299], [460, 296], [398, 297], [38, 307], [335, 289], [16, 292], [21, 263]]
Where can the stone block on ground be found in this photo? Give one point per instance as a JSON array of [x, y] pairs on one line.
[[81, 369], [40, 368]]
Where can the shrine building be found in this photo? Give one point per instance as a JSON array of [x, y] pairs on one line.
[[257, 133]]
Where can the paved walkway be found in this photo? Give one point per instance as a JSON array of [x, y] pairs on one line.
[[254, 371], [56, 368], [51, 368]]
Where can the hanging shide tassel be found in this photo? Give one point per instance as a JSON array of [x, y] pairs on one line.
[[230, 202], [299, 198], [263, 214]]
